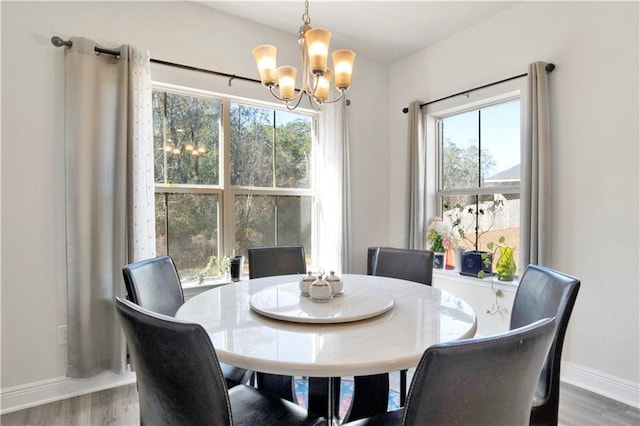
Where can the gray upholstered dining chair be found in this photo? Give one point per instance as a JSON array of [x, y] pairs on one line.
[[543, 292], [404, 264], [276, 260], [155, 285], [479, 381], [371, 393], [180, 381], [270, 261]]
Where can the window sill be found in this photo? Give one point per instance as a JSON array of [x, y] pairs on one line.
[[192, 288], [450, 275]]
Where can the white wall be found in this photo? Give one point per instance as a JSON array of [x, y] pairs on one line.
[[33, 259], [594, 117]]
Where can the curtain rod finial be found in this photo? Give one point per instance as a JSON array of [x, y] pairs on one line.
[[58, 42], [550, 67], [405, 110]]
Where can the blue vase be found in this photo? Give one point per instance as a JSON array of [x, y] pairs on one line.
[[473, 263], [438, 260]]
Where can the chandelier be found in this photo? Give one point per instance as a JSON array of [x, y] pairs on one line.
[[188, 146], [316, 77]]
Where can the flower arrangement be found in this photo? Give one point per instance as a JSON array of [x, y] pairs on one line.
[[440, 236]]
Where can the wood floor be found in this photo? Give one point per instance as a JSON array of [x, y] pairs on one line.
[[119, 406]]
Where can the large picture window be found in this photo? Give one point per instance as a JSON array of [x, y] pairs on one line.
[[479, 174], [229, 176]]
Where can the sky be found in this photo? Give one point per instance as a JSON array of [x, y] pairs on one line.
[[500, 132]]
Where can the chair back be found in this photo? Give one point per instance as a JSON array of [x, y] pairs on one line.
[[276, 260], [372, 252], [177, 370], [480, 381], [154, 284], [405, 264], [543, 292]]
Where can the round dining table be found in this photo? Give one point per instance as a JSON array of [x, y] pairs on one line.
[[377, 325]]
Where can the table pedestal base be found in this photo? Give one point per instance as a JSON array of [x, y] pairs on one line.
[[324, 396]]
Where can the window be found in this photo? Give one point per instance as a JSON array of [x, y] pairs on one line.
[[229, 175], [479, 173]]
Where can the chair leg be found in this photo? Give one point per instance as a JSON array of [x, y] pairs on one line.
[[545, 414], [370, 396], [403, 387], [276, 385], [250, 378]]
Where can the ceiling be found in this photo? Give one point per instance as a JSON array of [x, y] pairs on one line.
[[381, 30]]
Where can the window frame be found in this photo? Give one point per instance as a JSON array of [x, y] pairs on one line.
[[432, 113], [226, 192]]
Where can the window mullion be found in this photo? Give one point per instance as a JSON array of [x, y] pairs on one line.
[[273, 177], [439, 155], [510, 189], [164, 139], [165, 200], [479, 149], [273, 152], [227, 225], [477, 209]]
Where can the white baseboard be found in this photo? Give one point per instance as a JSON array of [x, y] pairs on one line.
[[602, 384], [38, 393]]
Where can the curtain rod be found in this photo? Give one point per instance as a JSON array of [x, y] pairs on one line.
[[218, 73], [548, 68], [59, 42]]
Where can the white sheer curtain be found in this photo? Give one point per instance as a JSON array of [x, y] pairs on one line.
[[108, 149], [418, 178], [332, 178], [535, 204], [141, 184]]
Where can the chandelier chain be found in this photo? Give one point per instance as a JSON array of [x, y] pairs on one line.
[[306, 19]]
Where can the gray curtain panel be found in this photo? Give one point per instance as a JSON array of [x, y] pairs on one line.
[[535, 207], [418, 181], [98, 199]]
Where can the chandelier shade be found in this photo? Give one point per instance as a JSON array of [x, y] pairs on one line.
[[265, 57], [343, 66], [323, 86], [287, 81], [316, 76], [318, 46]]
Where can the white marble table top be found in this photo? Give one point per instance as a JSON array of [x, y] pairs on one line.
[[392, 341], [358, 301]]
